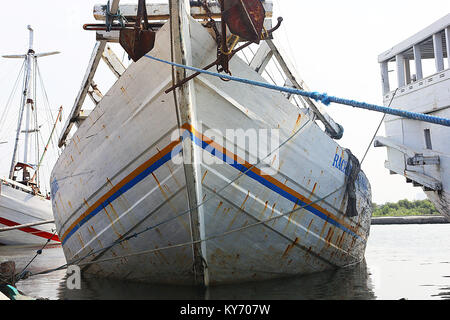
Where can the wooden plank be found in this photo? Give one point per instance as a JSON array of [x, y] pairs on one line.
[[95, 95], [89, 75], [113, 36], [113, 62], [108, 36], [261, 58], [160, 11]]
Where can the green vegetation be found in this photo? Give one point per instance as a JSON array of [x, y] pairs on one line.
[[405, 208]]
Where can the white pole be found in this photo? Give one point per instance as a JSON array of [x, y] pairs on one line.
[[28, 61], [438, 52], [407, 71], [29, 98], [400, 70], [385, 77], [26, 225], [31, 37], [418, 62]]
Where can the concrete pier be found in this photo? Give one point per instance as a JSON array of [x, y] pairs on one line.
[[409, 220]]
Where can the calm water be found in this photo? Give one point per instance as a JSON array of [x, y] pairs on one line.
[[402, 261]]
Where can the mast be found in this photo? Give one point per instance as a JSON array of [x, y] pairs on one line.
[[27, 105], [25, 92], [29, 97]]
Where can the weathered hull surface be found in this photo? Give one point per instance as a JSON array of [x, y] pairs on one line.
[[121, 174], [18, 207]]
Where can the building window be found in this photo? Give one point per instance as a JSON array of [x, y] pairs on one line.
[[428, 139]]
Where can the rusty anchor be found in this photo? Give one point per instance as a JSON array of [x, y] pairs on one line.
[[244, 18], [139, 40]]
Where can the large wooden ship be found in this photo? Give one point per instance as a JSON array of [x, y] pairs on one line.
[[150, 187]]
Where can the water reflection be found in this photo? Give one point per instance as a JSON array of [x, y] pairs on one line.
[[409, 261], [350, 283]]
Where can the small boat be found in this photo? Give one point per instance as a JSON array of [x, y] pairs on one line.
[[25, 211], [159, 182], [418, 150]]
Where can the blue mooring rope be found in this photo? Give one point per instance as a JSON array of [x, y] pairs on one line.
[[322, 97]]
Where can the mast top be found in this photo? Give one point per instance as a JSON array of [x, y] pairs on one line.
[[30, 48]]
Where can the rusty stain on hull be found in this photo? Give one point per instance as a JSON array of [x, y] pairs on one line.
[[204, 175], [218, 207], [261, 215], [289, 247], [312, 192], [239, 211]]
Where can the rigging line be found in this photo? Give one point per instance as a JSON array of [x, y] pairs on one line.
[[36, 172], [21, 274], [378, 128], [12, 92], [44, 91], [285, 33], [49, 110], [5, 111]]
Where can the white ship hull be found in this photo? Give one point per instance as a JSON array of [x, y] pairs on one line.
[[118, 176], [18, 207]]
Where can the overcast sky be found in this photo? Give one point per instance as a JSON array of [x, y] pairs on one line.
[[334, 44]]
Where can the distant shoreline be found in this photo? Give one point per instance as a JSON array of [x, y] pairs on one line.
[[430, 219]]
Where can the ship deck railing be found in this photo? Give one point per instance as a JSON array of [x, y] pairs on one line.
[[432, 43]]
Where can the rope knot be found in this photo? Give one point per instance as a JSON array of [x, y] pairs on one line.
[[322, 97]]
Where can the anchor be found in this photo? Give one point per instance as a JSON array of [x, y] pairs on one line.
[[140, 40], [136, 40], [244, 18]]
